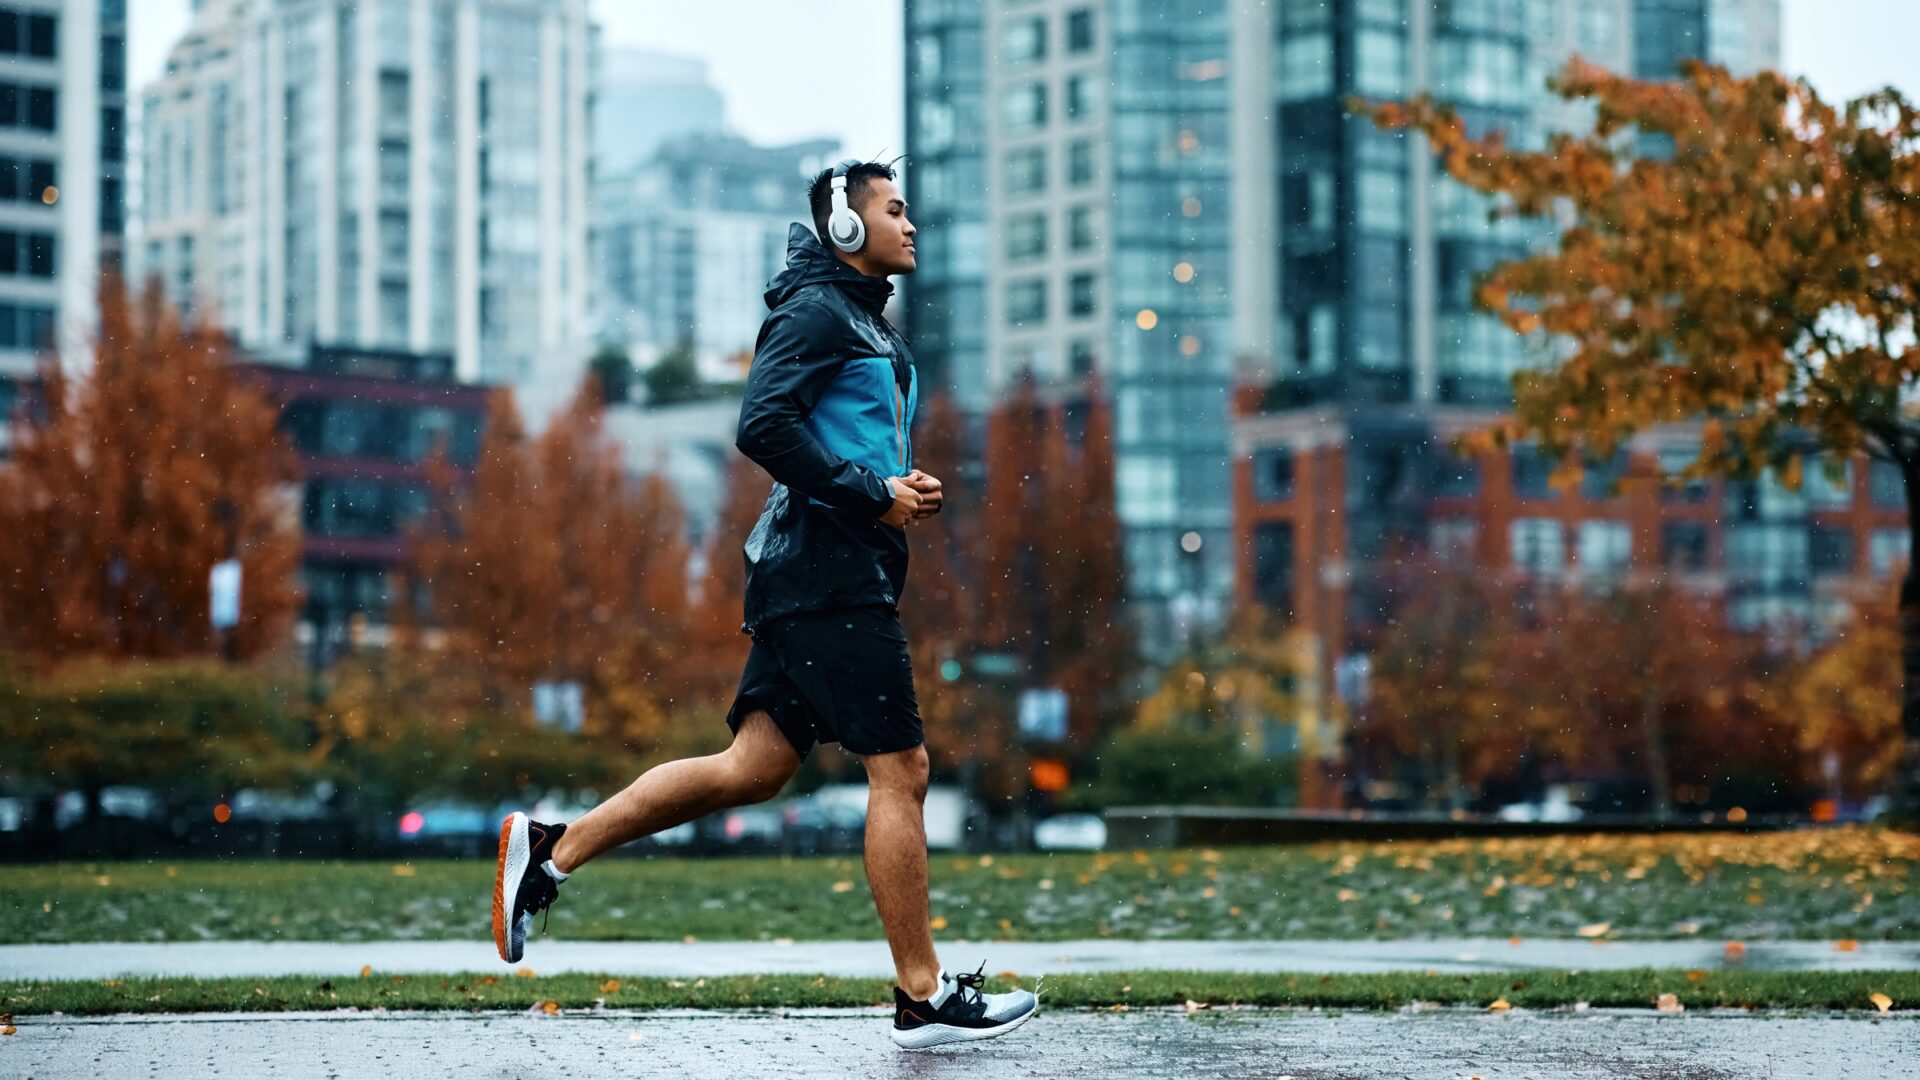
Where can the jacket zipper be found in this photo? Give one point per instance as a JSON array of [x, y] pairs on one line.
[[899, 423]]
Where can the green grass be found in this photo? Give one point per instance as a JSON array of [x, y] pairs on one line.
[[1816, 884], [1528, 989]]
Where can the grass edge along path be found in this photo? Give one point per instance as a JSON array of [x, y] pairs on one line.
[[1869, 991]]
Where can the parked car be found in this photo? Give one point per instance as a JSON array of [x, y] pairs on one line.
[[1071, 832]]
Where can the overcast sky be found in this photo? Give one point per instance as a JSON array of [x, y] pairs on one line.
[[796, 69]]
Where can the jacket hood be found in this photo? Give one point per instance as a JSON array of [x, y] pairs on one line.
[[810, 263]]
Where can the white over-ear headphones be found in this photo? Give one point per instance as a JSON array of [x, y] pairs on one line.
[[844, 228]]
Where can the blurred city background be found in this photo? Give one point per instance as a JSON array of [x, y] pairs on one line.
[[369, 372]]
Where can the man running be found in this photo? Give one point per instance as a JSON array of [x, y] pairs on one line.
[[828, 412]]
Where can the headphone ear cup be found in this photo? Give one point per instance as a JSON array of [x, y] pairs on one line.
[[846, 230]]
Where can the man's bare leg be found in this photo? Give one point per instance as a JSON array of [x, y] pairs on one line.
[[753, 769], [897, 865]]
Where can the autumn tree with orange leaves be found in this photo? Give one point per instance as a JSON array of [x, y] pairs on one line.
[[1763, 279], [554, 566], [128, 480]]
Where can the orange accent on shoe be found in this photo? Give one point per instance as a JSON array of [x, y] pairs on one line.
[[500, 890]]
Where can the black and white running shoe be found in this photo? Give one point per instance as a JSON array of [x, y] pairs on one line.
[[522, 887], [959, 1012]]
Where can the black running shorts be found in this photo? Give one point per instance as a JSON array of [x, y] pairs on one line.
[[833, 676]]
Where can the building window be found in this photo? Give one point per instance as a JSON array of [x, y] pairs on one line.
[[1082, 229], [1080, 30], [1306, 67], [1272, 474], [1026, 236], [1538, 547], [35, 107], [1024, 107], [1080, 356], [1380, 62], [1083, 97], [1027, 170], [43, 36], [1769, 556], [1885, 486], [1451, 475], [1080, 163], [27, 252], [1606, 548], [1532, 473], [1601, 479], [1452, 540], [25, 179], [1024, 40], [113, 63], [113, 133], [1683, 546], [24, 326], [1830, 551], [1273, 565], [1027, 301], [1887, 550], [1082, 294], [1672, 464], [1831, 491]]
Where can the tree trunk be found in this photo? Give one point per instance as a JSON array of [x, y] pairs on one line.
[[1654, 735], [1906, 784]]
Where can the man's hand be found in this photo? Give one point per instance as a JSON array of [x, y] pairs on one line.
[[931, 497], [906, 504]]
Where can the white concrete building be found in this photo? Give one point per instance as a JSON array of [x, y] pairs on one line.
[[404, 174], [63, 77]]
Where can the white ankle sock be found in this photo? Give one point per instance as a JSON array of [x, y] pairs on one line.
[[941, 995], [553, 871]]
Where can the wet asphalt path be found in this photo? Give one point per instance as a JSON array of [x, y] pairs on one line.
[[847, 1044]]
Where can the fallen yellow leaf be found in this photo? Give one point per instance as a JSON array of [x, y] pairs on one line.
[[1846, 945], [610, 986], [1880, 1001], [1117, 1008], [843, 886], [1499, 1006], [1196, 1006], [403, 870], [525, 972], [939, 922], [366, 971], [1593, 930], [551, 1008], [1696, 975], [1346, 895], [1736, 951], [1669, 1003]]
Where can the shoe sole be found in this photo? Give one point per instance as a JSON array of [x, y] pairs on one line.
[[512, 866], [931, 1035]]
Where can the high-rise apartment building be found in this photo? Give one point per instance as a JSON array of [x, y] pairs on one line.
[[683, 246], [645, 98], [1178, 197], [1070, 175], [63, 98], [396, 174]]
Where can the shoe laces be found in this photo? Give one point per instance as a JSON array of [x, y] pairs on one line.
[[542, 894], [974, 982]]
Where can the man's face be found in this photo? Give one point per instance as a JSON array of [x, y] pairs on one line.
[[889, 248]]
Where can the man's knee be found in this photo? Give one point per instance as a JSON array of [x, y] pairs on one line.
[[760, 761], [904, 772]]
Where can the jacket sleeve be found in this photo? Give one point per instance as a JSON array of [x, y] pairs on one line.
[[793, 364]]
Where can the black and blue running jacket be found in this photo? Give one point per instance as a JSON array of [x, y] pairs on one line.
[[828, 412]]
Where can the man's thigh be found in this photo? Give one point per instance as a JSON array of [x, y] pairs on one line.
[[854, 669]]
